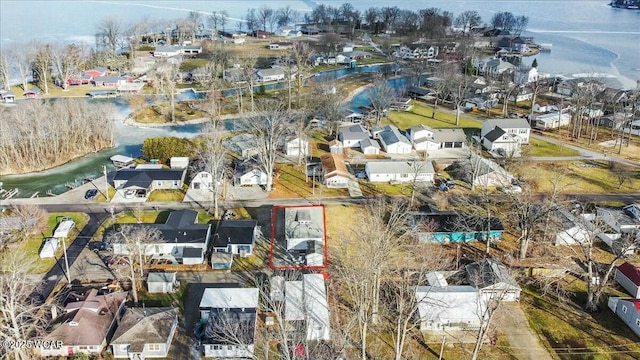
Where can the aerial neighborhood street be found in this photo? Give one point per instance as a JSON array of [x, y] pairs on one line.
[[347, 183]]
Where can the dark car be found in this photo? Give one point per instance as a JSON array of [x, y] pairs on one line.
[[90, 194], [102, 246]]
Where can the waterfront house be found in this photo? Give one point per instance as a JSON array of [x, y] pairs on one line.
[[335, 173], [628, 276], [85, 325], [32, 93], [244, 145], [493, 280], [296, 146], [236, 237], [143, 181], [272, 74], [96, 72], [444, 308], [399, 171], [182, 240], [352, 135], [145, 333], [230, 315]]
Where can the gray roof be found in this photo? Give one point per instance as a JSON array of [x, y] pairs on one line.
[[271, 72], [488, 272], [353, 132], [141, 326], [161, 277], [107, 79], [448, 135], [494, 134], [369, 142], [400, 167], [391, 135], [180, 228], [517, 123]]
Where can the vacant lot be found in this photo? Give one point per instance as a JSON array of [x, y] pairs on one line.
[[421, 114], [539, 147], [290, 181]]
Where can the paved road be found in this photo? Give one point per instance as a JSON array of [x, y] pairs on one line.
[[58, 272]]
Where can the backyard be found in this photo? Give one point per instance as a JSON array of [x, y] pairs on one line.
[[421, 114], [290, 182], [541, 148]]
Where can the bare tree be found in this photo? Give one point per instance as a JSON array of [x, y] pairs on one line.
[[301, 52], [468, 20], [268, 124], [136, 31], [109, 33], [381, 96], [21, 57], [457, 85], [42, 64], [265, 14], [195, 18], [5, 68], [164, 79], [328, 105], [249, 74], [132, 241], [285, 15], [212, 155], [66, 61], [20, 318], [31, 219]]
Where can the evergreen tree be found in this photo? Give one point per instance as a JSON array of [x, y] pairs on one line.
[[534, 63]]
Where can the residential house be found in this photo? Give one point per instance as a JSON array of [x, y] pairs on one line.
[[416, 92], [144, 181], [162, 282], [285, 30], [352, 135], [628, 310], [369, 147], [425, 138], [305, 302], [129, 87], [335, 173], [492, 66], [248, 172], [282, 45], [624, 220], [353, 117], [356, 55], [513, 44], [393, 142], [272, 74], [567, 87], [336, 147], [310, 30], [505, 134], [261, 34], [181, 240], [234, 75], [628, 276], [449, 307], [493, 280], [480, 104], [85, 325], [145, 333], [480, 171], [572, 229], [399, 171], [96, 72], [7, 96], [615, 121], [237, 237], [114, 81], [551, 120], [80, 79], [230, 315], [175, 50], [447, 227], [244, 145], [296, 146]]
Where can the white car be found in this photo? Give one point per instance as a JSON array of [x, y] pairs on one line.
[[515, 189]]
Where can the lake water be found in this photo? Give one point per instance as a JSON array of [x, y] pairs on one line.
[[587, 36]]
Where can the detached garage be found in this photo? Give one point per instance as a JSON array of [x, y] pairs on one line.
[[49, 248]]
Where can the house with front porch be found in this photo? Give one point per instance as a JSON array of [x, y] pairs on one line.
[[505, 134], [399, 171], [427, 139], [145, 333], [182, 240], [143, 181], [334, 171]]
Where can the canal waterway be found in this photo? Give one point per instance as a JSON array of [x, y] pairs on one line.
[[129, 140]]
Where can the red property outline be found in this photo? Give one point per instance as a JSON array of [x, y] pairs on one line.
[[273, 239]]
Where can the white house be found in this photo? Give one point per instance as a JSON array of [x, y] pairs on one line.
[[272, 74], [487, 172], [551, 120], [350, 136], [230, 315], [369, 147], [335, 173], [628, 276], [162, 282], [174, 50], [449, 307], [493, 280], [424, 138], [392, 141], [296, 146], [179, 162], [245, 176], [181, 240], [505, 134], [49, 248], [623, 220], [306, 301], [573, 230], [399, 171], [145, 333], [236, 237]]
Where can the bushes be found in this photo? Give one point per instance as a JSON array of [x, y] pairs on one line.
[[165, 147]]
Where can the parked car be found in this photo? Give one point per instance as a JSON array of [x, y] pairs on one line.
[[90, 194], [101, 246]]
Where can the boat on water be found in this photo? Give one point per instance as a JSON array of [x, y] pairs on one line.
[[625, 4]]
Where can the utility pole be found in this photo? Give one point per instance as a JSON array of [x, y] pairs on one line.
[[106, 183], [66, 262], [313, 182]]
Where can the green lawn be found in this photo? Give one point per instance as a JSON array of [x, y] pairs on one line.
[[383, 188], [565, 326], [175, 299], [421, 114], [539, 147], [166, 195], [290, 182], [591, 177], [31, 247], [192, 64]]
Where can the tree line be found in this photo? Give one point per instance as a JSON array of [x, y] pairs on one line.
[[38, 135]]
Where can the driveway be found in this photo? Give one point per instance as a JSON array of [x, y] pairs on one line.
[[513, 325]]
